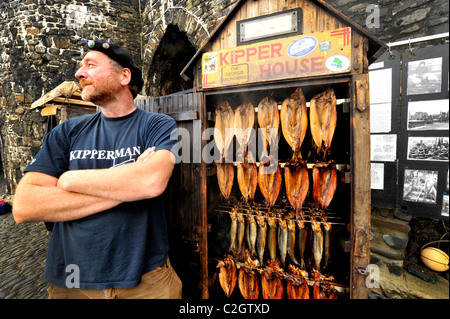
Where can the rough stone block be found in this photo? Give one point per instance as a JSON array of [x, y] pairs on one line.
[[416, 16], [32, 31]]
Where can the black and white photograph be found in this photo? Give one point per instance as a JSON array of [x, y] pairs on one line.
[[428, 115], [420, 186], [444, 211], [428, 148], [424, 76]]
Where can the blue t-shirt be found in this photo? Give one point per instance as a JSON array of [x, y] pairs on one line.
[[114, 248]]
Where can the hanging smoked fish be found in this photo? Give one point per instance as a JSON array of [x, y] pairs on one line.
[[251, 233], [302, 237], [223, 136], [248, 278], [294, 121], [272, 281], [227, 275], [240, 232], [247, 176], [326, 242], [247, 172], [297, 183], [224, 128], [291, 240], [225, 177], [282, 239], [296, 284], [269, 181], [323, 118], [244, 119], [272, 238], [322, 288], [317, 243], [233, 230], [269, 122], [262, 235], [324, 183]]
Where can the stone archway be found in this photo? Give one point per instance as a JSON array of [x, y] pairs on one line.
[[170, 57]]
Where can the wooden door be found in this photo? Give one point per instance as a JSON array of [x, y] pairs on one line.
[[185, 196]]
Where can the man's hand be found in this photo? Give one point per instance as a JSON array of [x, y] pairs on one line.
[[37, 198]]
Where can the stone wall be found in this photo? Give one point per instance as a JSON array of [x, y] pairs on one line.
[[40, 48], [40, 43], [194, 19], [398, 20]]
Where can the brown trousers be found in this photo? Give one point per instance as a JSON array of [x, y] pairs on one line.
[[161, 283]]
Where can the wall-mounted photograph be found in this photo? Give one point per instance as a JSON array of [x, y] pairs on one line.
[[424, 76], [444, 211], [428, 115], [420, 186], [428, 148]]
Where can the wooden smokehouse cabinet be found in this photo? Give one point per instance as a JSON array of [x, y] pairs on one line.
[[270, 49]]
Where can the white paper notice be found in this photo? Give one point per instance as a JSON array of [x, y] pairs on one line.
[[383, 147], [380, 85], [380, 82], [380, 118], [377, 175]]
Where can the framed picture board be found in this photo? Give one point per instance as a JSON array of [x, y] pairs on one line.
[[424, 133]]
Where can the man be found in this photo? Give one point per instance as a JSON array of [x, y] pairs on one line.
[[99, 179]]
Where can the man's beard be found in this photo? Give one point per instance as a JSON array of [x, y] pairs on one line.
[[100, 95]]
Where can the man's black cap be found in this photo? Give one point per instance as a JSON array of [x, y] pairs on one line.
[[120, 55]]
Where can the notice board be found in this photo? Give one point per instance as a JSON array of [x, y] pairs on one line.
[[385, 106], [419, 175]]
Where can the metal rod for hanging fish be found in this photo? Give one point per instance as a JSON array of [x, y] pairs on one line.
[[305, 209], [301, 220]]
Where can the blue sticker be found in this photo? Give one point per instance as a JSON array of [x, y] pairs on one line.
[[91, 43], [302, 47], [105, 45], [324, 46]]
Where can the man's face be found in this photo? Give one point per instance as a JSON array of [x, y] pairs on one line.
[[98, 78]]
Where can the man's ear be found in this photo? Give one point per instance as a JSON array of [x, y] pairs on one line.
[[126, 77]]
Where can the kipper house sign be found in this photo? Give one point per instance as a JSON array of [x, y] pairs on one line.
[[308, 55]]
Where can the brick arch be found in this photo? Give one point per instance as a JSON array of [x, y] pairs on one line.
[[194, 28], [169, 59]]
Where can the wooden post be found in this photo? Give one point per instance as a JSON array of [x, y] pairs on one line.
[[360, 188], [204, 210]]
